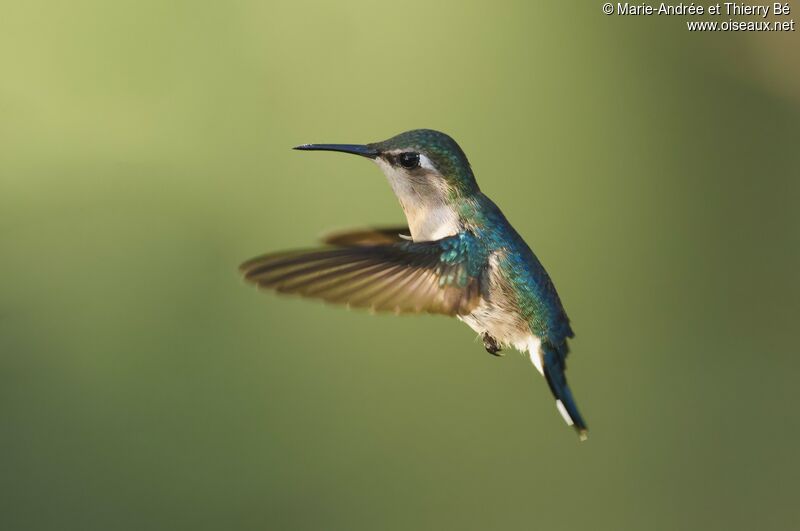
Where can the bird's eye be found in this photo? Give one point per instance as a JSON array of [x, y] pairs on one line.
[[409, 160]]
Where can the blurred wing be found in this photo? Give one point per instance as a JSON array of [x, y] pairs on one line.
[[406, 277], [368, 236]]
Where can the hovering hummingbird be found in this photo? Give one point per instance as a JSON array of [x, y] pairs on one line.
[[459, 256]]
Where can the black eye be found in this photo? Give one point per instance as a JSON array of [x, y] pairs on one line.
[[409, 160]]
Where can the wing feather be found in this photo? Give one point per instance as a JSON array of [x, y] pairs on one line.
[[402, 277], [377, 236]]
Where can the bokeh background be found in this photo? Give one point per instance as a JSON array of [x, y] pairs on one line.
[[144, 153]]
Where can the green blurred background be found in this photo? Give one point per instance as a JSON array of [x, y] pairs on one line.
[[144, 153]]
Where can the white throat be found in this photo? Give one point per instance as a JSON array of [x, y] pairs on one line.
[[429, 215]]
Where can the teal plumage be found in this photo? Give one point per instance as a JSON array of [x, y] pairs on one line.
[[462, 258], [534, 293]]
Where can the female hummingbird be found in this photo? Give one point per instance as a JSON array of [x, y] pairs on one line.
[[459, 256]]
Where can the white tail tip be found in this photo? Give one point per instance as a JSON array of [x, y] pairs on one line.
[[564, 414]]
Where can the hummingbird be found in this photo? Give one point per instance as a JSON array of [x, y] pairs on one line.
[[458, 256]]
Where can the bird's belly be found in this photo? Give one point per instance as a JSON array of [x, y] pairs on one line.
[[497, 314], [507, 328]]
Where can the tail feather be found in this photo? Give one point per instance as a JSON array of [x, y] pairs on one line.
[[554, 367]]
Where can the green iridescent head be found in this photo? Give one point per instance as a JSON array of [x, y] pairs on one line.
[[429, 153]]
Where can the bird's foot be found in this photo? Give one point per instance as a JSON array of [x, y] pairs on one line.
[[491, 346]]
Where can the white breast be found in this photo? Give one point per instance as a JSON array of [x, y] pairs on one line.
[[433, 223]]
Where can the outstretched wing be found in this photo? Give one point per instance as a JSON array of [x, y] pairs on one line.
[[368, 236], [441, 277]]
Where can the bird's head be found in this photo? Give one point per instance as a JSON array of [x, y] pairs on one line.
[[421, 165]]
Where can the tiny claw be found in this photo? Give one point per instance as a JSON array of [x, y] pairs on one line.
[[491, 346]]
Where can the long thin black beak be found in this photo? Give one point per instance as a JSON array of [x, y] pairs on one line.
[[355, 149]]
